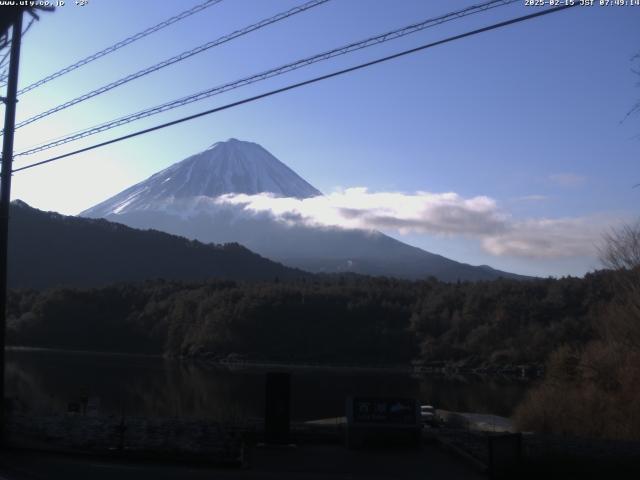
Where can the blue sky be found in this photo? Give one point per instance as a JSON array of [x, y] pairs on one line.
[[529, 116]]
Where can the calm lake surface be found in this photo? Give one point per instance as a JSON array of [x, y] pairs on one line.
[[47, 381]]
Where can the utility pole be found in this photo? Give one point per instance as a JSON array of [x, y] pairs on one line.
[[5, 193]]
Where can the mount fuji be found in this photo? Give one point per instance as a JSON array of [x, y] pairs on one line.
[[181, 200], [225, 167]]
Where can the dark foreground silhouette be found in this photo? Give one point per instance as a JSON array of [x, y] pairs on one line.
[[303, 462]]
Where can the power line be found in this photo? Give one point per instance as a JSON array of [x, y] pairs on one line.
[[121, 43], [301, 84], [371, 41], [175, 59], [28, 26], [6, 55]]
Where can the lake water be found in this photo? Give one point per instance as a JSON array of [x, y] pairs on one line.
[[47, 381]]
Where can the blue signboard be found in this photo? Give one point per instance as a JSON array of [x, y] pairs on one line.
[[377, 410]]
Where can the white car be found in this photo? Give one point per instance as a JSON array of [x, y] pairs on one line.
[[428, 414]]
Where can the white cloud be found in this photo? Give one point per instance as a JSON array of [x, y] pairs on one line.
[[547, 238], [422, 212], [532, 198], [567, 179], [434, 213]]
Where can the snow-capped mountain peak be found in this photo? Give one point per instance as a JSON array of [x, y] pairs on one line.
[[231, 166]]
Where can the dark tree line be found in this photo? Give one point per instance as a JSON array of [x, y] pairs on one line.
[[330, 319]]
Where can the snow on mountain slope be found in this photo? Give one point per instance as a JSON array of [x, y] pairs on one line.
[[182, 200], [233, 166]]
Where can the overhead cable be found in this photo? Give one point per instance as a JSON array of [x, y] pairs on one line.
[[301, 84], [175, 59], [120, 44], [371, 41]]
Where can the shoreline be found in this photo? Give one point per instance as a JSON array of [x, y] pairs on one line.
[[522, 372]]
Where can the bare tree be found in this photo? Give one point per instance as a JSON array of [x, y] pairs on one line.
[[620, 249], [593, 390]]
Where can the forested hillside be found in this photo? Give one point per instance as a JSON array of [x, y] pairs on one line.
[[346, 320], [47, 249]]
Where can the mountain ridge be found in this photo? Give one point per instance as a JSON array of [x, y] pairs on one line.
[[95, 252], [162, 203]]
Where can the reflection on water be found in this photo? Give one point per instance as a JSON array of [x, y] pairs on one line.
[[46, 381]]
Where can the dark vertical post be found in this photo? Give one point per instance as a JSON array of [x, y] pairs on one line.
[[277, 408], [5, 192], [505, 455]]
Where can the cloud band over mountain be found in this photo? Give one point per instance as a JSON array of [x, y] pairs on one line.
[[433, 213]]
